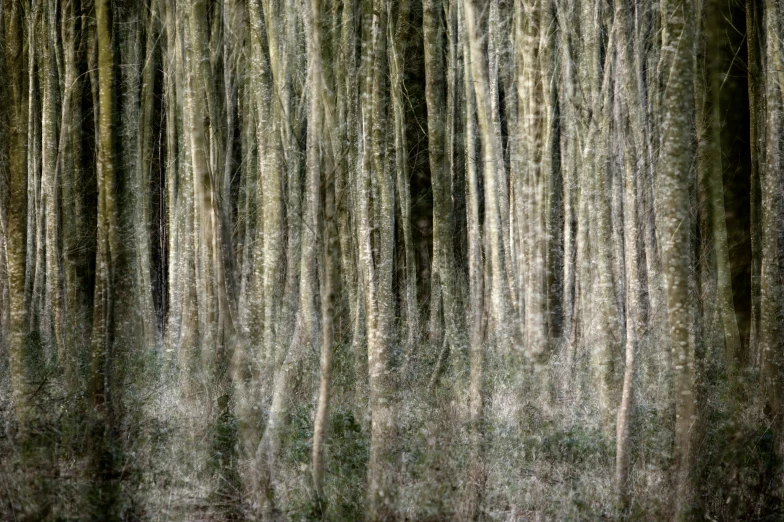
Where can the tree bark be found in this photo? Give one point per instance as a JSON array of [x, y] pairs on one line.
[[378, 273], [16, 240], [675, 161], [102, 342], [499, 306], [476, 289], [443, 269], [397, 46], [631, 129], [771, 360]]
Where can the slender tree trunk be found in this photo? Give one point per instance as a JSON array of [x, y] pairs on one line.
[[315, 85], [771, 360], [632, 267], [221, 324], [307, 329], [102, 345], [173, 192], [569, 167], [346, 199], [397, 46], [499, 306], [15, 87], [634, 165], [36, 248], [232, 18], [142, 182], [476, 290], [675, 162], [69, 159], [756, 137], [378, 271], [52, 320], [596, 187], [107, 220], [443, 270]]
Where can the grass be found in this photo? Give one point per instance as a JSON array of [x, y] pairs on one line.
[[185, 456]]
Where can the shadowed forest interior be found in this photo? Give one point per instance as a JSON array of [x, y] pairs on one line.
[[391, 260]]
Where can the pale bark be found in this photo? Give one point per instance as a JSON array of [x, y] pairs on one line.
[[378, 272], [633, 328], [595, 192], [232, 34], [634, 164], [569, 169], [315, 84], [499, 306], [756, 137], [107, 219], [52, 320], [69, 156], [608, 336], [536, 105], [141, 182], [203, 149], [267, 277], [36, 248], [675, 161], [476, 290], [307, 329], [298, 143], [347, 204], [173, 306], [102, 345], [771, 360], [443, 297], [16, 241], [246, 207], [283, 32], [396, 45]]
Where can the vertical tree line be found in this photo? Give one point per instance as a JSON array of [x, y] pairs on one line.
[[339, 259]]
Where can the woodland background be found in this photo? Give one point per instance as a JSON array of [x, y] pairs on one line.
[[392, 260]]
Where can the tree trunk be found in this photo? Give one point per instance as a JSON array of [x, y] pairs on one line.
[[378, 273], [15, 87], [476, 290], [328, 255], [443, 269], [396, 67], [675, 161], [102, 343], [631, 129], [499, 306], [771, 360], [756, 138]]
